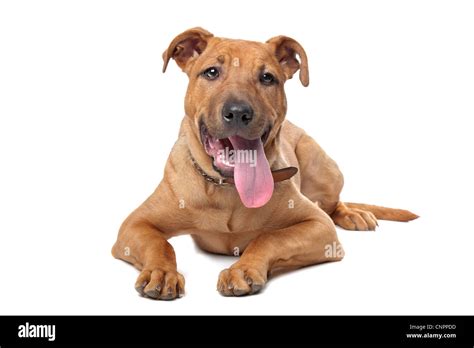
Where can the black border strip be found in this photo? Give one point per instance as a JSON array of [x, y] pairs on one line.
[[242, 330]]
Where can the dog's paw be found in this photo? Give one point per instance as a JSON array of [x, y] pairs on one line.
[[355, 219], [240, 281], [160, 285]]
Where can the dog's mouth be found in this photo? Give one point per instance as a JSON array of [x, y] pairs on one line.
[[245, 160], [223, 153]]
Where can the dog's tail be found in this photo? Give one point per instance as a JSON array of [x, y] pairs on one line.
[[383, 213]]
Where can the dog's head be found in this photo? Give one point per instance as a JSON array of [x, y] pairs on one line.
[[237, 101]]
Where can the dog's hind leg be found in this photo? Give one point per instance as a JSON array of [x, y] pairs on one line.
[[353, 218], [322, 182], [321, 179]]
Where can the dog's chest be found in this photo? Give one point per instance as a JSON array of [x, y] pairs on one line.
[[227, 221]]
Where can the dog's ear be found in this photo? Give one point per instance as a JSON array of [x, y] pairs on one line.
[[185, 46], [285, 50]]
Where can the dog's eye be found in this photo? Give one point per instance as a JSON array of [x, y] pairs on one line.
[[211, 73], [267, 79]]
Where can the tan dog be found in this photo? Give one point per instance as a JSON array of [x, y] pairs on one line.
[[252, 202]]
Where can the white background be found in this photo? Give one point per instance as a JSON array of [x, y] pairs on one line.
[[87, 120]]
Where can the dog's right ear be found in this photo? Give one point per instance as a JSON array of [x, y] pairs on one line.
[[186, 46]]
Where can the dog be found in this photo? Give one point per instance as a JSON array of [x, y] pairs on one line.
[[240, 179]]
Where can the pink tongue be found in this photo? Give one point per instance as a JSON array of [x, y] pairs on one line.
[[253, 178]]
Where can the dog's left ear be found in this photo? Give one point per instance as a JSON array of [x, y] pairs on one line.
[[186, 46], [285, 50]]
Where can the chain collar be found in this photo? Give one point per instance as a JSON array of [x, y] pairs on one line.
[[208, 178]]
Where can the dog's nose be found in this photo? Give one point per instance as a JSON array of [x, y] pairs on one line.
[[237, 113]]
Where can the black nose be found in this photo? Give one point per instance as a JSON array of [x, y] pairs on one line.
[[237, 113]]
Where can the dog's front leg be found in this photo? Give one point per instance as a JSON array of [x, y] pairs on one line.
[[309, 242], [144, 246]]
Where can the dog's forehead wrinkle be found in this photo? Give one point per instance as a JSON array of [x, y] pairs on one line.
[[241, 49]]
